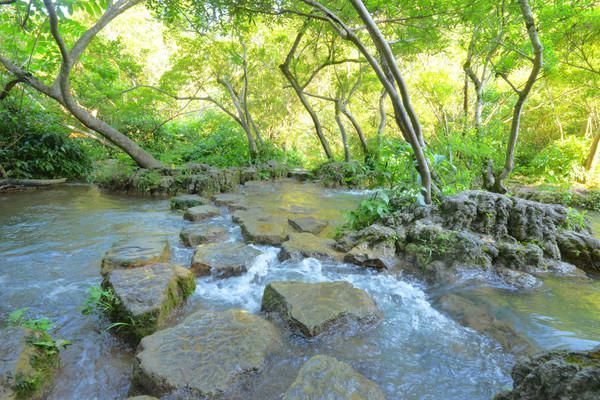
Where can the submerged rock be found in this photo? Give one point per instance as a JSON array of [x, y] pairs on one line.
[[206, 356], [146, 296], [260, 228], [324, 377], [223, 259], [135, 253], [307, 224], [476, 316], [309, 245], [26, 371], [312, 308], [195, 234], [200, 213], [187, 201], [560, 375]]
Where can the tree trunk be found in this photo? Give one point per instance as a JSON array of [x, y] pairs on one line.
[[61, 90], [404, 113], [285, 69], [338, 119], [359, 131], [509, 163], [592, 158]]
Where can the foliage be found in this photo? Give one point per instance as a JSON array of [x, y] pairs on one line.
[[102, 302], [560, 161], [576, 220], [33, 144], [369, 211]]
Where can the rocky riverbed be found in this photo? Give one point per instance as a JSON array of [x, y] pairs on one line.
[[393, 337]]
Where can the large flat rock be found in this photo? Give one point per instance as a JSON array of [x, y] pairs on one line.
[[313, 308], [308, 245], [261, 228], [206, 356], [135, 253], [307, 224], [223, 259], [195, 234], [324, 377], [147, 295], [26, 371], [185, 201], [200, 213], [234, 201]]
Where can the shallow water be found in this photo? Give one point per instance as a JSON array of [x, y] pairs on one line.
[[52, 241]]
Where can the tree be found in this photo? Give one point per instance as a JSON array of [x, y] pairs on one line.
[[495, 182], [60, 90]]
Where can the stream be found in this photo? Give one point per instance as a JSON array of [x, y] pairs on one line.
[[52, 242]]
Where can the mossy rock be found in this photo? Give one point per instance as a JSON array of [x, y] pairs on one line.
[[145, 297], [200, 213], [185, 201], [27, 370]]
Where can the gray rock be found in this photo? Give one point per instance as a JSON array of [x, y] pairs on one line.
[[200, 213], [580, 249], [559, 375], [223, 259], [307, 224], [380, 255], [21, 361], [195, 234], [208, 355], [142, 398], [146, 296], [324, 377], [312, 308], [234, 201], [135, 253], [186, 201], [308, 245], [260, 228]]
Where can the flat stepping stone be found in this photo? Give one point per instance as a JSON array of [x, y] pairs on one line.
[[233, 201], [195, 234], [147, 295], [135, 253], [324, 377], [308, 245], [200, 213], [206, 356], [313, 308], [307, 224], [261, 229], [223, 259], [21, 361], [185, 201]]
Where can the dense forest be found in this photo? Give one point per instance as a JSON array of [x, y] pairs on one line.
[[300, 199], [443, 95]]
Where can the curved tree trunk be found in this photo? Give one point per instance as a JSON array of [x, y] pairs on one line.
[[285, 69], [61, 90]]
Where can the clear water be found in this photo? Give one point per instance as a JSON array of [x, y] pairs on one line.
[[52, 241]]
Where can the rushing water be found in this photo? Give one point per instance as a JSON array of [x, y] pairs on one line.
[[52, 241]]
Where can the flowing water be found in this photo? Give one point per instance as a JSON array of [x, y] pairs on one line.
[[52, 241]]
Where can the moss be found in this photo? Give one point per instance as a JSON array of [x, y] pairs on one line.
[[38, 369]]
